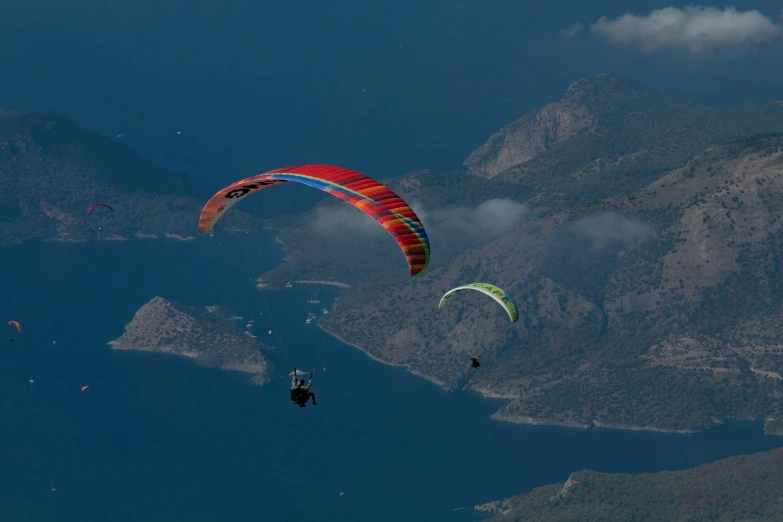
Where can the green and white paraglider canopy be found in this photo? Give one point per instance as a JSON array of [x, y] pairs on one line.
[[496, 293]]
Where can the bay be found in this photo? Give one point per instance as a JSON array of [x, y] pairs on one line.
[[156, 437]]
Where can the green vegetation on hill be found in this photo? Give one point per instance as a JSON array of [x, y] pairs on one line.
[[743, 488], [51, 170], [210, 336], [628, 394], [646, 267], [634, 135]]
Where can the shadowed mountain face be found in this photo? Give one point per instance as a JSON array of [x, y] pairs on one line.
[[639, 235], [52, 170], [737, 488]]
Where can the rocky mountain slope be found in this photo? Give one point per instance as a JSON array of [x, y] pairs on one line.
[[644, 257], [52, 170], [608, 136], [738, 488], [209, 336]]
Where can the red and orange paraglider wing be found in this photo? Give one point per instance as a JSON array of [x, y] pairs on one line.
[[366, 194], [91, 207], [18, 326]]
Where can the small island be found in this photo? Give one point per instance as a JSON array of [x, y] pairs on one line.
[[210, 336]]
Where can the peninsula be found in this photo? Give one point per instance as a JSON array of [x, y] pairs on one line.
[[209, 336]]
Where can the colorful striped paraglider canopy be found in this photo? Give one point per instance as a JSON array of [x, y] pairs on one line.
[[366, 194]]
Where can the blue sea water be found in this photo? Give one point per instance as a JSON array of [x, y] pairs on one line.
[[158, 438], [382, 87]]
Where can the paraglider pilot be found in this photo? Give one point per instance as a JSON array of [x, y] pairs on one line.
[[474, 362], [300, 392]]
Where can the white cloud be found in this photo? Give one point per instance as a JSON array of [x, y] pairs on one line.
[[491, 218], [488, 219], [697, 30], [344, 218], [609, 227], [572, 31]]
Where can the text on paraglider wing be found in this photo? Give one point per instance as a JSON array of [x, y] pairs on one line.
[[239, 192]]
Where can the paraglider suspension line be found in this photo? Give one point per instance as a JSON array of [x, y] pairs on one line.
[[320, 348], [266, 307]]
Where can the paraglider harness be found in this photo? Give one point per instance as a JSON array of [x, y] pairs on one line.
[[299, 393]]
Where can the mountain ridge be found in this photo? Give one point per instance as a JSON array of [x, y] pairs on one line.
[[52, 170], [603, 279], [737, 488]]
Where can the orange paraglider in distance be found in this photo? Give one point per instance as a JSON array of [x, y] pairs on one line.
[[84, 387], [18, 326]]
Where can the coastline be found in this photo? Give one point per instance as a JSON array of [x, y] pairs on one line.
[[330, 283], [108, 237], [365, 352], [178, 237], [261, 283], [408, 368], [58, 240], [497, 416], [259, 373], [512, 420], [490, 394]]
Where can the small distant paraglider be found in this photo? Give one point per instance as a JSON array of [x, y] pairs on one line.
[[84, 388], [18, 327], [270, 332], [342, 493], [31, 380], [96, 205]]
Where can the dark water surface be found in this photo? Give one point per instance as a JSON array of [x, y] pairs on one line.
[[158, 438]]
